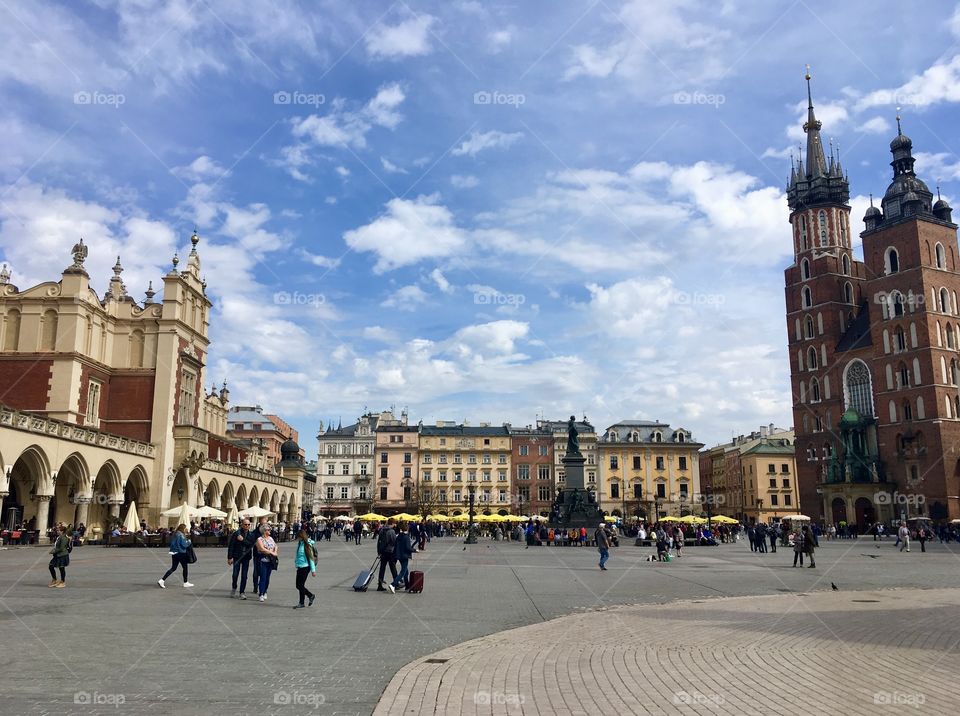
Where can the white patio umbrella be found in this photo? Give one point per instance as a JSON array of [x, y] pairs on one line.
[[184, 513], [233, 517], [207, 511], [255, 511], [132, 523]]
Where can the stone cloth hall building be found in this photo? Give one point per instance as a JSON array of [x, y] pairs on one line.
[[873, 344], [103, 402]]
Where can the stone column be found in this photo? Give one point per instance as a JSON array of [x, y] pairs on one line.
[[83, 508], [43, 514], [115, 507]]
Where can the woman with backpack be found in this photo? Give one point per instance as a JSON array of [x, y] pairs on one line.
[[306, 563], [179, 548], [60, 559]]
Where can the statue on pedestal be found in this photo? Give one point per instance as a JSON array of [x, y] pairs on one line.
[[573, 437]]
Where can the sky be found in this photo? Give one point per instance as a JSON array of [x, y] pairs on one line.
[[491, 211]]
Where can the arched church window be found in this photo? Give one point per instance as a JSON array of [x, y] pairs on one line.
[[809, 327], [848, 292], [803, 232], [807, 297], [941, 258], [805, 269], [846, 265], [858, 388], [823, 228], [891, 261]]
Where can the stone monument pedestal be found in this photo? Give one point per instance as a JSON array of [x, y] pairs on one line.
[[575, 506]]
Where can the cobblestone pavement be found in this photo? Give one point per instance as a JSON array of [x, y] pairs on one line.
[[817, 653], [113, 636]]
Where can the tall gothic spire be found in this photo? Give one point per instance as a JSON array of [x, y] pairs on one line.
[[816, 161]]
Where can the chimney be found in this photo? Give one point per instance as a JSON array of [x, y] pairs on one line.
[[763, 431]]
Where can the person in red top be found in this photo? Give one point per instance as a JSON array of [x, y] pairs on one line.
[[583, 536]]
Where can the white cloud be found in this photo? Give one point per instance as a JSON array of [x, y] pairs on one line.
[[464, 181], [477, 142], [406, 298], [408, 39], [499, 39], [409, 231], [875, 125], [938, 83], [941, 165], [201, 169], [494, 338], [390, 167], [442, 283], [380, 334], [340, 127], [318, 260]]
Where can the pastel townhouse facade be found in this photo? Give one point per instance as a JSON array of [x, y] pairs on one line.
[[397, 465], [533, 470]]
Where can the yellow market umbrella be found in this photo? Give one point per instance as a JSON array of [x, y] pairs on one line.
[[406, 517], [610, 518], [692, 520], [439, 518], [670, 518], [724, 520], [132, 524], [515, 518], [371, 517], [481, 518]]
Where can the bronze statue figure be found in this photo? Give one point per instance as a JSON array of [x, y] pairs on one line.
[[573, 437]]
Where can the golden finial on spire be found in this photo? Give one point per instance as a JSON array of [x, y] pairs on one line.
[[807, 75], [899, 132]]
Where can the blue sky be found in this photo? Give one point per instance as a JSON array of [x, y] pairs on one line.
[[479, 210]]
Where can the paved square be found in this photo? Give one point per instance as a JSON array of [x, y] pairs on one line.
[[114, 636]]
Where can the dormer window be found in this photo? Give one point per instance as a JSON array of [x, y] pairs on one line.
[[658, 437], [680, 437], [635, 436]]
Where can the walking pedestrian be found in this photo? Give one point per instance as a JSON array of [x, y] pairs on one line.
[[268, 556], [240, 554], [179, 544], [357, 531], [773, 539], [798, 547], [602, 540], [60, 559], [903, 537], [306, 563], [386, 546], [808, 545], [403, 551], [922, 537], [258, 533]]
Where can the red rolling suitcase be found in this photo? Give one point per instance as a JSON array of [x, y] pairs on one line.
[[416, 582]]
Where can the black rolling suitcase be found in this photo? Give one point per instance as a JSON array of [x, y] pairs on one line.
[[363, 579]]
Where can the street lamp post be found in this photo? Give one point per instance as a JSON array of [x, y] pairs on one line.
[[709, 500], [471, 536]]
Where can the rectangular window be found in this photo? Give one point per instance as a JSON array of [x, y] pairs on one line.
[[93, 405], [443, 495], [331, 469], [363, 492], [426, 476], [524, 450], [329, 492], [486, 441], [406, 472], [427, 494], [344, 492], [383, 493], [502, 459], [615, 491], [614, 462], [188, 396], [472, 459], [383, 457], [543, 450], [659, 462], [442, 475], [457, 459], [383, 473], [486, 459], [773, 500], [523, 472], [661, 490], [543, 492], [524, 493], [501, 475], [457, 496], [591, 477], [771, 467], [636, 462], [684, 490], [638, 492], [502, 496], [786, 482], [426, 458], [785, 469], [363, 468], [486, 476], [345, 468], [682, 462], [485, 497], [443, 441], [543, 472], [406, 493], [457, 476], [773, 482], [472, 476], [561, 476], [787, 499], [442, 459], [407, 457]]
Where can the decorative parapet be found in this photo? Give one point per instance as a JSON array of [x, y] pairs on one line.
[[249, 473], [34, 423]]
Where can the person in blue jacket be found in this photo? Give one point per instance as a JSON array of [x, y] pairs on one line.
[[178, 554], [305, 564]]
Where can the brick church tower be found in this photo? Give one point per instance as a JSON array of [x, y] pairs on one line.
[[873, 344]]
